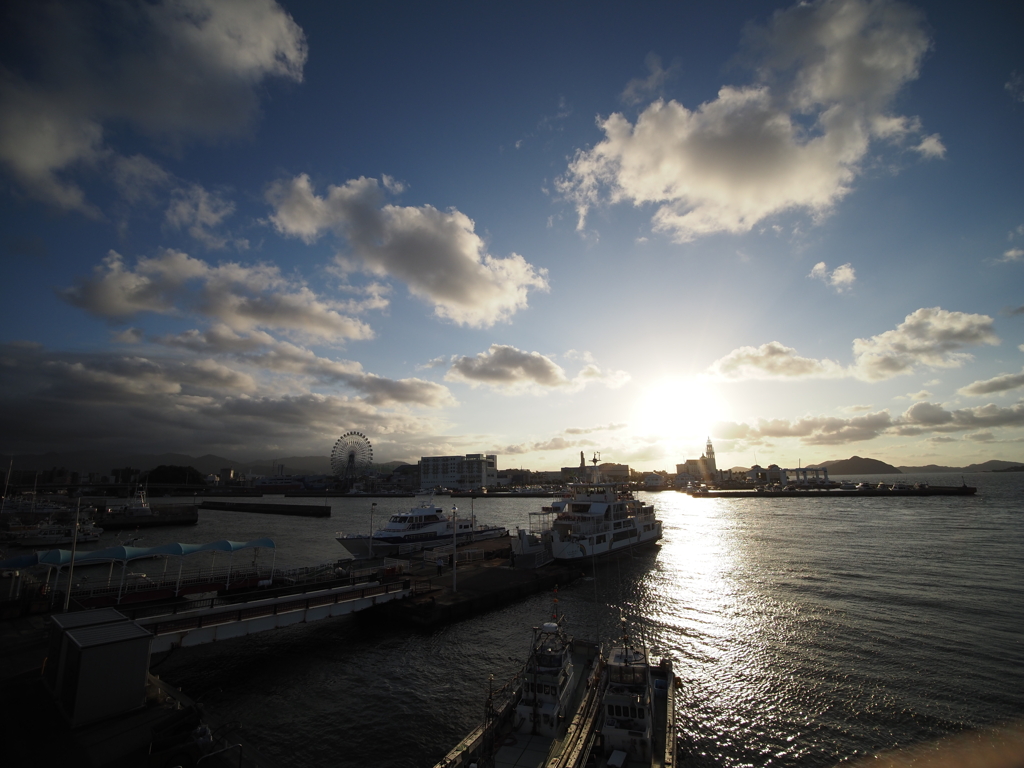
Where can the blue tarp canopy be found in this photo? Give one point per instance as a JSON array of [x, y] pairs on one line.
[[61, 557]]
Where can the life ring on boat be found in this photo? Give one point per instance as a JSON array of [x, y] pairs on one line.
[[509, 741]]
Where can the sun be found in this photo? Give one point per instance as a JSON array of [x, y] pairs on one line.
[[680, 410]]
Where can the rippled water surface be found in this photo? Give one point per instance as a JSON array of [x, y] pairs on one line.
[[805, 632]]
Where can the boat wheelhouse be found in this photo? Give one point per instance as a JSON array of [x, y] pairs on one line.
[[638, 726]]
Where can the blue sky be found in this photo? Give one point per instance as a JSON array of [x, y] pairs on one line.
[[246, 228]]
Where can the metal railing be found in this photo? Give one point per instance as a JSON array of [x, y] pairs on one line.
[[246, 613]]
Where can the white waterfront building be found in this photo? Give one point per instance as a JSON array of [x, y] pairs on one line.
[[464, 473]]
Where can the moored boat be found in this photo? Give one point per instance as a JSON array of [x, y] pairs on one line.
[[638, 710], [571, 707], [547, 710], [422, 527], [56, 535], [593, 520]]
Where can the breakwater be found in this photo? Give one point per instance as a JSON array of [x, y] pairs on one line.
[[834, 493], [299, 510]]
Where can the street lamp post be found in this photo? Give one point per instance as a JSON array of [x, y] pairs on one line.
[[455, 544], [372, 506]]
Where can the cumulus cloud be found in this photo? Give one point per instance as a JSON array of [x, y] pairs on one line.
[[1004, 382], [241, 297], [795, 139], [171, 70], [773, 361], [437, 254], [841, 278], [1012, 255], [930, 337], [513, 370]]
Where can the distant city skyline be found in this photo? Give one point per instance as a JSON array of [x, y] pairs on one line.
[[247, 227]]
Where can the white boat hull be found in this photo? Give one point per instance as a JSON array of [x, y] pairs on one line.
[[359, 546]]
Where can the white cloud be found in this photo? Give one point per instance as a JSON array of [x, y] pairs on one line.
[[835, 65], [513, 370], [930, 337], [1004, 382], [773, 361], [241, 297], [437, 254], [931, 147], [172, 70], [1012, 255], [841, 278]]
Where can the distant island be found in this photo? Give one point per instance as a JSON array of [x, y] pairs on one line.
[[855, 465]]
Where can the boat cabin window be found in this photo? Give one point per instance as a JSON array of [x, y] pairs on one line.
[[624, 674], [622, 710]]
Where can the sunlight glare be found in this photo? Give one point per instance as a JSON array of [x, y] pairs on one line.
[[680, 410]]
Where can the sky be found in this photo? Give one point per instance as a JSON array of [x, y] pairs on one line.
[[247, 227]]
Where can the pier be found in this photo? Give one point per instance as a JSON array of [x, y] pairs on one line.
[[833, 493]]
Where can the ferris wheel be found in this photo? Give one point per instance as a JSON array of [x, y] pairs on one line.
[[352, 454]]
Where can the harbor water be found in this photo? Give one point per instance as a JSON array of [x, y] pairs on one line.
[[805, 632]]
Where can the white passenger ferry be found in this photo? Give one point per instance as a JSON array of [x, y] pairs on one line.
[[593, 520], [422, 527]]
